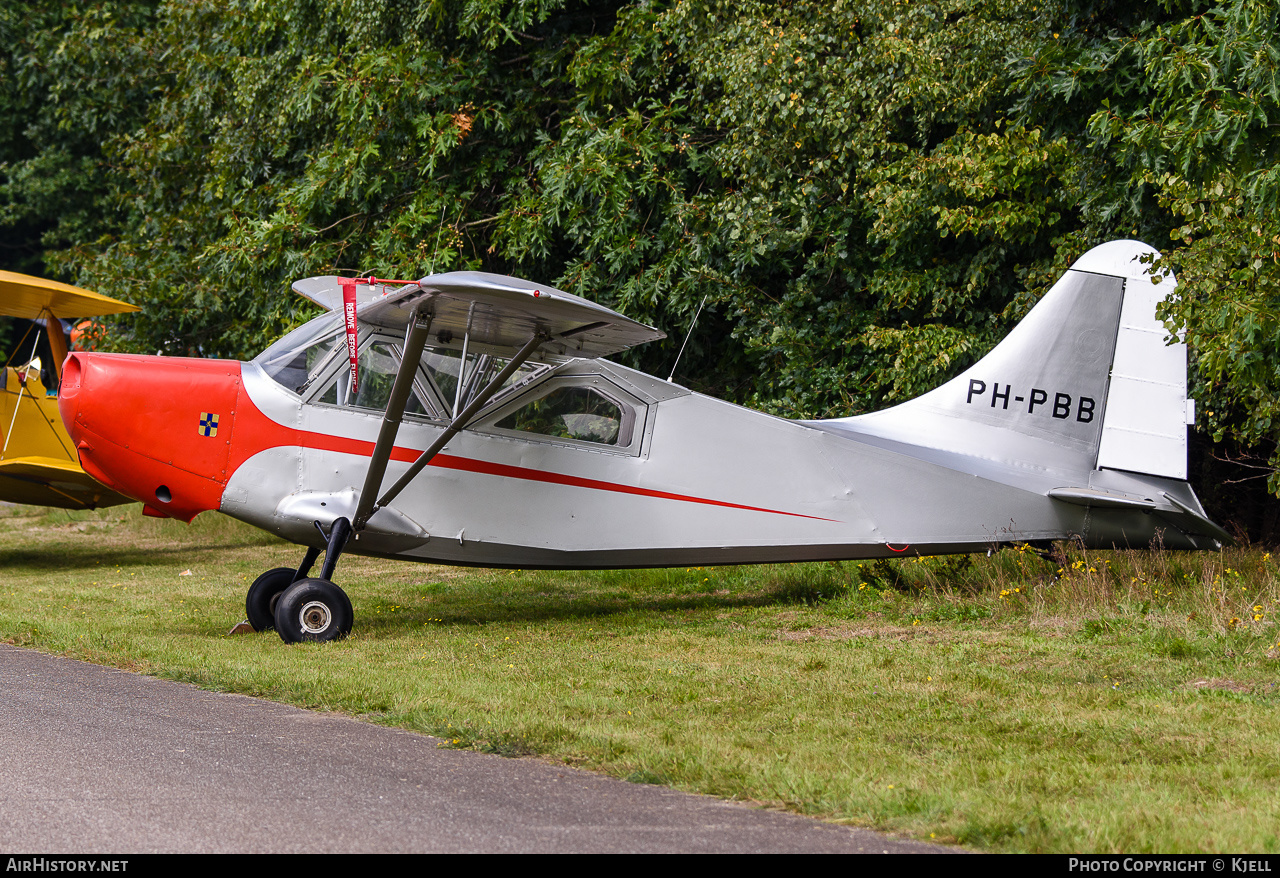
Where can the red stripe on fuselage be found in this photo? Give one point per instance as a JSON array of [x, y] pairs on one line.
[[519, 472], [262, 433]]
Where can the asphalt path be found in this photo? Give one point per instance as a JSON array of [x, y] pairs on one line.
[[99, 761]]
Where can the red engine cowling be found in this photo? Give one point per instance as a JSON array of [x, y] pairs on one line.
[[158, 429]]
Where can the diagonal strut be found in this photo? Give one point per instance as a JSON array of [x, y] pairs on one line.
[[415, 340], [458, 424]]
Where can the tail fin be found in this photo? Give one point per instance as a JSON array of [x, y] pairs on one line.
[[1085, 381]]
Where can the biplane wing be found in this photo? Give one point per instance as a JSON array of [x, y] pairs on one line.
[[38, 462], [51, 481], [31, 298]]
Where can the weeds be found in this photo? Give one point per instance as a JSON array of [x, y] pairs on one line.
[[1233, 591]]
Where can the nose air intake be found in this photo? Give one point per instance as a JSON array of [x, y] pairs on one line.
[[157, 429]]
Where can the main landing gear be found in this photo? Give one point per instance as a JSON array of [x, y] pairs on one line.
[[297, 607]]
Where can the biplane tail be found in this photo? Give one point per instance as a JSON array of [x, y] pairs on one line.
[[1088, 380]]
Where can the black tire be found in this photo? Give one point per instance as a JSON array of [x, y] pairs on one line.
[[260, 603], [313, 610]]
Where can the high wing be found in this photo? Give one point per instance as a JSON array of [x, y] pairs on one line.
[[498, 314], [22, 295], [326, 291]]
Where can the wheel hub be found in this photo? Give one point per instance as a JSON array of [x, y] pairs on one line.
[[315, 617]]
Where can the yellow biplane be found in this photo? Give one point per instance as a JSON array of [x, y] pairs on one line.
[[38, 461]]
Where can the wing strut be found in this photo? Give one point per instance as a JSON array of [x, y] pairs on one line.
[[458, 424], [415, 340], [22, 387]]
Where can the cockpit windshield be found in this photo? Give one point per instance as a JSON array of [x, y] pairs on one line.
[[309, 356], [293, 359]]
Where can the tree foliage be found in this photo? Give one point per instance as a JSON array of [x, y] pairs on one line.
[[862, 196], [1207, 145]]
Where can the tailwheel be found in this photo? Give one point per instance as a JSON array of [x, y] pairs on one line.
[[260, 603], [313, 610]]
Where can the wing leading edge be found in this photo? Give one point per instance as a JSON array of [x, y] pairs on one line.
[[31, 298], [498, 313]]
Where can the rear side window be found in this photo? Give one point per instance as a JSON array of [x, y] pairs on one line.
[[579, 413]]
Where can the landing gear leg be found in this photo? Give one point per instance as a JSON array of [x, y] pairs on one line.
[[315, 609], [308, 561], [336, 541], [324, 614]]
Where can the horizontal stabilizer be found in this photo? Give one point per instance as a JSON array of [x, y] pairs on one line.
[[1200, 524], [1104, 499]]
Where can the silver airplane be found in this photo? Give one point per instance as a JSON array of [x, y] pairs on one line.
[[470, 419]]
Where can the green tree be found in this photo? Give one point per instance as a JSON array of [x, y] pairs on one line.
[[862, 197], [1205, 143], [794, 165], [73, 76]]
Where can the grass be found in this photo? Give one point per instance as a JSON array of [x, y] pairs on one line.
[[1095, 702]]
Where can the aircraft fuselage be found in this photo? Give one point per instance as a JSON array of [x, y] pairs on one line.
[[697, 481]]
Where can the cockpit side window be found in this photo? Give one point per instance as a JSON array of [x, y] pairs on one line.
[[378, 364], [315, 366], [446, 366]]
